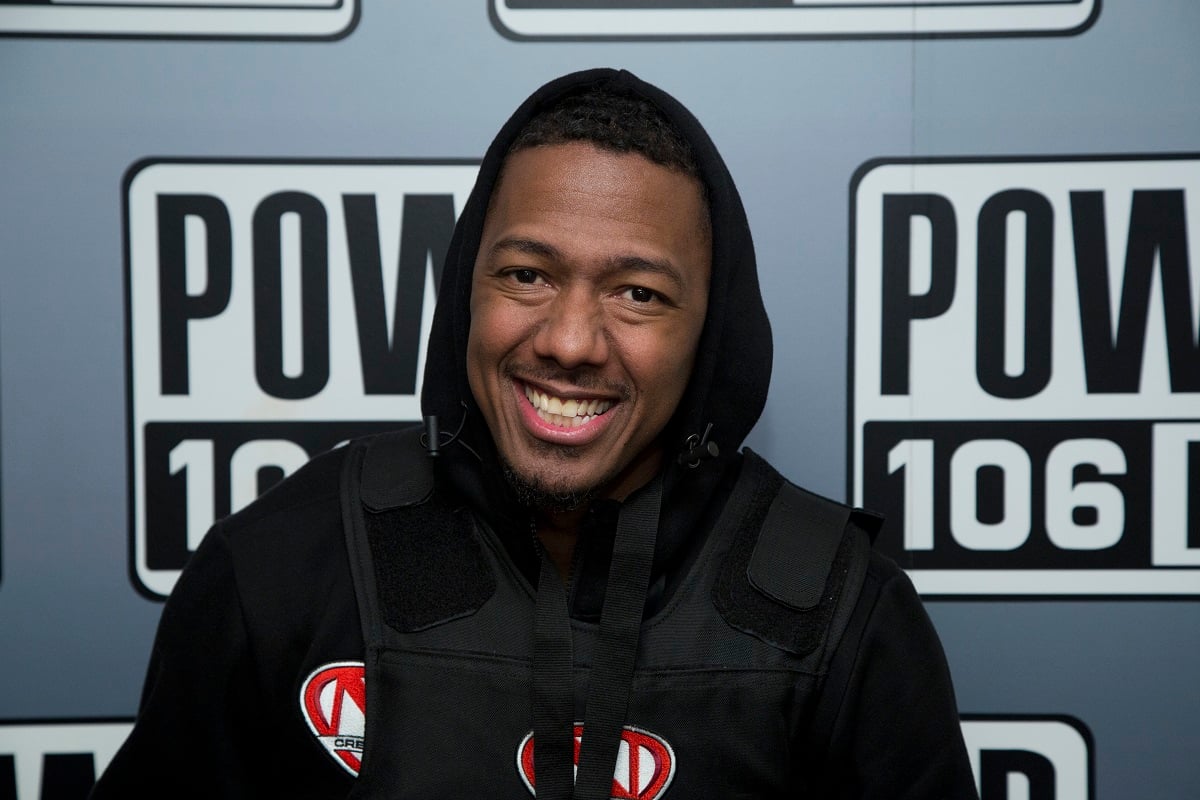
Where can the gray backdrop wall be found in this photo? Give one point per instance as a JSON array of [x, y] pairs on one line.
[[1036, 447]]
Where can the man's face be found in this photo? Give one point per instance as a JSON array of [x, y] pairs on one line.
[[589, 294]]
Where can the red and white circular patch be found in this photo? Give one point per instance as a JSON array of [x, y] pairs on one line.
[[333, 701], [644, 769]]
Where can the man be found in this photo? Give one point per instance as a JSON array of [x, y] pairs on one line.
[[570, 583]]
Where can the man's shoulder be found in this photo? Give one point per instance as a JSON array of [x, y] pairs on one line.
[[803, 504], [313, 485], [311, 492]]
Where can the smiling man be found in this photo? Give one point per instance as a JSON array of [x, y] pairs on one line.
[[569, 582], [587, 302]]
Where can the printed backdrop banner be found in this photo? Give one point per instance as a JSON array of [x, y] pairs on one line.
[[275, 310], [1026, 373], [223, 226]]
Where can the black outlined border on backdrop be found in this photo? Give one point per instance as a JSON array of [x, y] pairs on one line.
[[855, 180], [342, 33], [517, 36], [1, 479], [126, 182]]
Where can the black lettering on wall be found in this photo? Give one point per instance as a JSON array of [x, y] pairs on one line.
[[67, 776], [267, 477], [1039, 278], [176, 306], [1157, 226], [899, 307], [8, 778], [389, 363], [268, 296], [996, 765]]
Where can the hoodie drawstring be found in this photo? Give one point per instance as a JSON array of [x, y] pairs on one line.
[[611, 680]]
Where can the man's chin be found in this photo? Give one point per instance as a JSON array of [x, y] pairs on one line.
[[532, 492]]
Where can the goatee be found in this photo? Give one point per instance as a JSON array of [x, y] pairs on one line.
[[531, 493]]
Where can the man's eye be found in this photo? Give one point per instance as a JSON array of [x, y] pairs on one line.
[[640, 294], [524, 275]]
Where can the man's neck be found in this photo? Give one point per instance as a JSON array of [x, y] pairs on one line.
[[558, 533]]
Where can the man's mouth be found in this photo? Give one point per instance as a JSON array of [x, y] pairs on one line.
[[565, 413]]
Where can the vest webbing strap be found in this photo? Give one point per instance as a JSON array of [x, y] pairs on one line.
[[553, 688]]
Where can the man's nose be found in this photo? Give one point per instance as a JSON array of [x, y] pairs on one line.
[[572, 334]]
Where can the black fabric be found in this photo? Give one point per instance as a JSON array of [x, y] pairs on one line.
[[884, 710], [265, 599], [796, 546], [428, 567], [617, 645], [870, 522], [269, 598], [396, 471], [612, 668], [552, 688], [747, 608], [427, 572]]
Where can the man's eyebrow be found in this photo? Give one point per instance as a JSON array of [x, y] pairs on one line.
[[657, 266], [528, 246]]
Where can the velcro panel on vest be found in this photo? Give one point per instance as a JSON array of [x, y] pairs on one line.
[[429, 566], [796, 547], [795, 612], [396, 471]]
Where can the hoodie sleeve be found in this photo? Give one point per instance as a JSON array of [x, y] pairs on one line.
[[897, 734], [197, 730]]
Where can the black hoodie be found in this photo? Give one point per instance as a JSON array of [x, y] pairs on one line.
[[268, 600]]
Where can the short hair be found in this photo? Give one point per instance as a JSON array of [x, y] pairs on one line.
[[611, 119]]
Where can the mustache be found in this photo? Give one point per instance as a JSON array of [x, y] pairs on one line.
[[584, 379]]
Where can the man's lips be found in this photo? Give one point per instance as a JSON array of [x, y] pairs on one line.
[[567, 420]]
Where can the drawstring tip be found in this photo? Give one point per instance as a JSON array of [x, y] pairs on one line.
[[431, 437], [698, 449]]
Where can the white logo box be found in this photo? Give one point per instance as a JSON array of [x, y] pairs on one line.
[[204, 423], [300, 19], [633, 19], [1054, 530]]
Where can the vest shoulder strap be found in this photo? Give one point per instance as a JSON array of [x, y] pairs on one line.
[[798, 542], [796, 547], [396, 471], [415, 557], [796, 567]]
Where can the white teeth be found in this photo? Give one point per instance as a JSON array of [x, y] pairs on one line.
[[565, 413]]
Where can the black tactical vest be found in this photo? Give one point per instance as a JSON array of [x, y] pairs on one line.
[[724, 696]]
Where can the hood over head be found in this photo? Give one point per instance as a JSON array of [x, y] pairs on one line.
[[731, 374]]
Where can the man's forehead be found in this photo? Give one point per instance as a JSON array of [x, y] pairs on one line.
[[584, 166]]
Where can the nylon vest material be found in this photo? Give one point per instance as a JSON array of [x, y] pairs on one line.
[[727, 673]]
